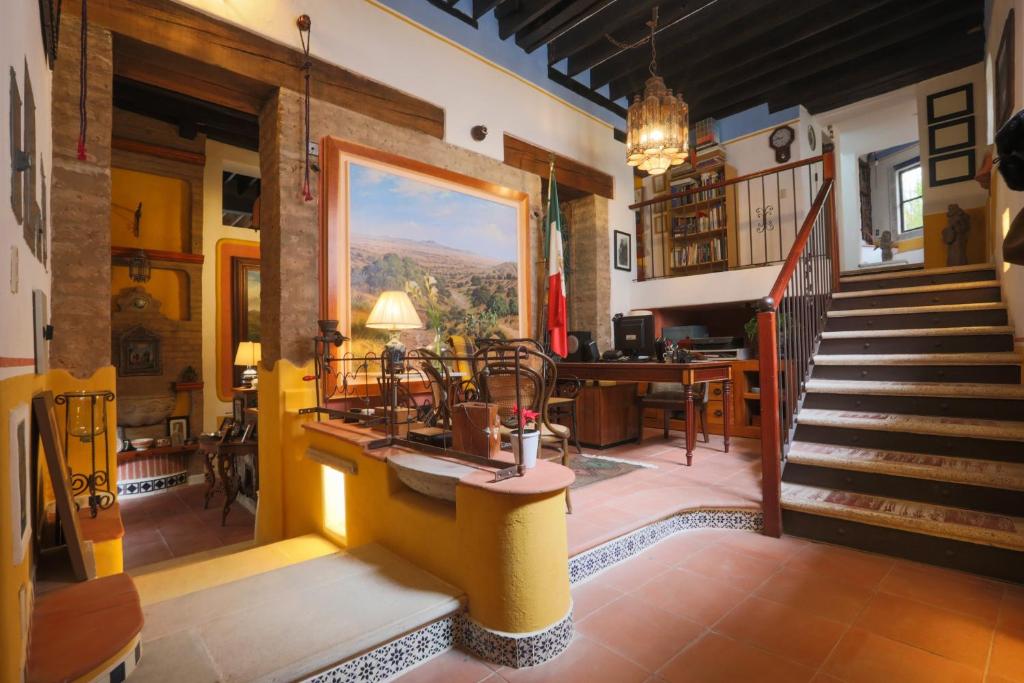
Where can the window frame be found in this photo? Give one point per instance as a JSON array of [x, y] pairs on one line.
[[898, 171]]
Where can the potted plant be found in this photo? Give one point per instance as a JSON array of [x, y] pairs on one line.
[[526, 420]]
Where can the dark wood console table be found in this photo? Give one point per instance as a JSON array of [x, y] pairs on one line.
[[687, 374]]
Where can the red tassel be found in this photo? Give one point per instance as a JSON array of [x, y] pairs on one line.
[[81, 150], [306, 194]]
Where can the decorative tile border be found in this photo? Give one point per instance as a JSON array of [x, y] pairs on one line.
[[589, 562], [138, 487], [391, 659], [516, 649], [122, 669]]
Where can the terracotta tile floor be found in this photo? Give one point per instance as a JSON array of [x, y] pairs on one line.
[[173, 523], [723, 606], [610, 508]]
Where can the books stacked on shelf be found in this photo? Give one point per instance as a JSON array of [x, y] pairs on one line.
[[713, 218], [698, 253], [711, 178], [710, 156], [707, 132]]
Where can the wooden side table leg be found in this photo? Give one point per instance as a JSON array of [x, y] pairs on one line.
[[726, 412], [211, 477], [691, 432], [575, 431], [229, 479]]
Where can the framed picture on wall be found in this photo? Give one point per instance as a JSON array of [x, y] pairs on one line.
[[951, 104], [623, 245], [1004, 85], [659, 183], [951, 168], [245, 304], [953, 135], [177, 429], [140, 353]]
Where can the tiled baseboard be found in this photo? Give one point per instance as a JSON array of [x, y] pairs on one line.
[[528, 649], [140, 487]]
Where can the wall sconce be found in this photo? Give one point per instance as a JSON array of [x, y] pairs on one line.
[[85, 418], [138, 267], [478, 133]]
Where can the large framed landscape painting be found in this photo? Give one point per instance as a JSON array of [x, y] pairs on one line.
[[457, 247]]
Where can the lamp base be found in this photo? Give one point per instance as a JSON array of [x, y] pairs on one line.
[[249, 377]]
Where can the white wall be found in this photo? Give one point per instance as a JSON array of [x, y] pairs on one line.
[[21, 48], [381, 44], [219, 158], [1008, 204], [866, 126], [968, 194]]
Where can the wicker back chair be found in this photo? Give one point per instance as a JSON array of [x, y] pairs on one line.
[[438, 378]]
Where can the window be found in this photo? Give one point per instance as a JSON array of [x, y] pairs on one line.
[[910, 209]]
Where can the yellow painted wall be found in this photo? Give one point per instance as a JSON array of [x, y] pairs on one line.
[[15, 391], [169, 287], [165, 210], [977, 239]]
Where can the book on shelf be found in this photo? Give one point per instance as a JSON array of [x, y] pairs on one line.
[[698, 253], [707, 132], [712, 218]]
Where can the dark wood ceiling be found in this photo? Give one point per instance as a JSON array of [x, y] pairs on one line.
[[729, 55]]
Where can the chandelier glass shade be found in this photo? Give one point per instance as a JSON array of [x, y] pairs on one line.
[[658, 133]]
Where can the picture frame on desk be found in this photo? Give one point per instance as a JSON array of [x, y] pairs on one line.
[[177, 429], [238, 409]]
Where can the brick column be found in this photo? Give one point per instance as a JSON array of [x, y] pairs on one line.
[[80, 200], [289, 235], [590, 285]]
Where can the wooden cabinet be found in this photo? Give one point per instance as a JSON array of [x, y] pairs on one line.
[[606, 413], [746, 405]]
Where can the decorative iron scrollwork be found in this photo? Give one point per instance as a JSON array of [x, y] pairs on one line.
[[765, 214]]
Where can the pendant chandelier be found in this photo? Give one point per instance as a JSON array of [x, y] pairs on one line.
[[658, 123]]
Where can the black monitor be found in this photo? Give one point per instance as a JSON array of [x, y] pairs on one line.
[[634, 335]]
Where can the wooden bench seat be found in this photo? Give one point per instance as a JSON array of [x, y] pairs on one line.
[[86, 631]]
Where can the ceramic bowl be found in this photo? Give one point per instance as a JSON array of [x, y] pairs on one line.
[[142, 444]]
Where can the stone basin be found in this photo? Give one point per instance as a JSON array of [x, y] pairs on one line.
[[434, 477]]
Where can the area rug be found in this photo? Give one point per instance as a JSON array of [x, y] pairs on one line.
[[591, 469]]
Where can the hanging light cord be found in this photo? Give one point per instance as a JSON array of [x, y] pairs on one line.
[[304, 24], [654, 29], [84, 82]]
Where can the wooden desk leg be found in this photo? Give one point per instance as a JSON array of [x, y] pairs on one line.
[[726, 411], [691, 431], [211, 477]]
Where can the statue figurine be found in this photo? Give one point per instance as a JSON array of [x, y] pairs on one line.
[[885, 244], [955, 235]]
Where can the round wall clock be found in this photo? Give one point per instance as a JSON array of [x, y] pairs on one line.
[[812, 137], [780, 140]]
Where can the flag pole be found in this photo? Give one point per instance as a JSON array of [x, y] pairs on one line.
[[542, 321]]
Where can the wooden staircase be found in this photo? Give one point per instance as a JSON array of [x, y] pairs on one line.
[[910, 437]]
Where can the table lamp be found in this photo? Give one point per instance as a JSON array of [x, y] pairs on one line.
[[394, 312], [249, 355]]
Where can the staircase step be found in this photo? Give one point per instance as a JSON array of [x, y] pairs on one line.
[[975, 338], [947, 399], [880, 269], [351, 601], [976, 472], [908, 278], [969, 526], [904, 317], [991, 358], [985, 291], [955, 427]]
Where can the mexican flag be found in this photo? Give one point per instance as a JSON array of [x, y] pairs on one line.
[[558, 320]]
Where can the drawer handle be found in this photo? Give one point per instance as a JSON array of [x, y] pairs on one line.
[[718, 413]]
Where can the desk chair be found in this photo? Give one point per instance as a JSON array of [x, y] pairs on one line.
[[668, 397]]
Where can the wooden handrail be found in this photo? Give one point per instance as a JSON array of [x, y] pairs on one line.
[[779, 288], [667, 196]]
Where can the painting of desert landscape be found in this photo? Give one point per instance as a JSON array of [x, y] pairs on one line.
[[455, 254]]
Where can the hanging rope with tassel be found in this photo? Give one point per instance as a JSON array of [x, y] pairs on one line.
[[84, 81], [304, 23]]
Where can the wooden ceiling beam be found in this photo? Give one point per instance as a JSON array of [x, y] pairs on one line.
[[679, 43], [187, 32], [570, 173], [546, 30], [593, 29], [482, 7], [528, 12], [937, 28]]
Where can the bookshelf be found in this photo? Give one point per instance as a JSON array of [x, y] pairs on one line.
[[696, 233]]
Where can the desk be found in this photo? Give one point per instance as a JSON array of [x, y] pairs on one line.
[[688, 374]]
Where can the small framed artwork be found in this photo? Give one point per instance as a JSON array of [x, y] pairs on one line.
[[951, 168], [659, 183], [951, 104], [953, 135], [140, 353], [623, 251], [1004, 73], [19, 479], [638, 195], [226, 425], [659, 223], [238, 409], [177, 429]]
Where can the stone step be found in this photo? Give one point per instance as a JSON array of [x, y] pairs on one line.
[[986, 291], [881, 269], [974, 338], [906, 317], [950, 427], [990, 358], [965, 390], [920, 276], [919, 332], [944, 399], [349, 603], [969, 526], [972, 471]]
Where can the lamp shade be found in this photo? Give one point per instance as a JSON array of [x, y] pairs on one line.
[[393, 311], [248, 354]]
